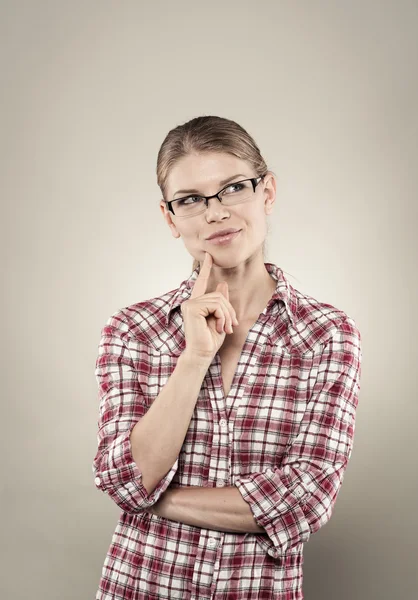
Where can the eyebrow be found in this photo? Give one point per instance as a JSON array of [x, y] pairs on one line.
[[223, 182]]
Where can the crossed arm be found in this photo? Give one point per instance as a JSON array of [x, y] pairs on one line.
[[290, 501], [221, 509]]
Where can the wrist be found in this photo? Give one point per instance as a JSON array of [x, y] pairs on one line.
[[195, 361]]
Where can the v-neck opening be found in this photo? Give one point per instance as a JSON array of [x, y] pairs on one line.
[[231, 401]]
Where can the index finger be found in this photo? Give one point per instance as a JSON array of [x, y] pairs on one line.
[[201, 282]]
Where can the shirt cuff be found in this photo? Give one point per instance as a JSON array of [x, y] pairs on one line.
[[119, 476], [278, 508]]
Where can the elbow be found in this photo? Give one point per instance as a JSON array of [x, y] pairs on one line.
[[124, 487], [118, 475], [318, 513], [126, 484]]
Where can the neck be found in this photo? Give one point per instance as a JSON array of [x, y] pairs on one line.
[[250, 287]]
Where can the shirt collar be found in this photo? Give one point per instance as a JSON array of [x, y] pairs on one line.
[[284, 293]]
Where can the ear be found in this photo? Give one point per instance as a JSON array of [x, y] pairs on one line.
[[167, 214], [269, 183]]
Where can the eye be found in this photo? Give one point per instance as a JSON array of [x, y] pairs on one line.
[[189, 200], [234, 187]]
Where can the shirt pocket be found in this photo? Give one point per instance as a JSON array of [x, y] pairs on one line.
[[269, 416]]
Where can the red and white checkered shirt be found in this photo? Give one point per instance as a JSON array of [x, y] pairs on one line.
[[283, 437]]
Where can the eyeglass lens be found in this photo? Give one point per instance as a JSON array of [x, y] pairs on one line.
[[233, 194]]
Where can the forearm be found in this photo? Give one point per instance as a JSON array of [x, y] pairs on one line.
[[220, 509], [157, 438]]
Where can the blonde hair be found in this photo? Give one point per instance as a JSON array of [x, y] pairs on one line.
[[207, 134]]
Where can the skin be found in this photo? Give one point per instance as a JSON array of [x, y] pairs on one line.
[[241, 265]]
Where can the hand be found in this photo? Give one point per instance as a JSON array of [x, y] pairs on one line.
[[207, 317]]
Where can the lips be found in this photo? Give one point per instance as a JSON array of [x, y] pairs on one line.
[[224, 240], [222, 233]]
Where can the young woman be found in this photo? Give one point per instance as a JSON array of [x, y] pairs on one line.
[[227, 405]]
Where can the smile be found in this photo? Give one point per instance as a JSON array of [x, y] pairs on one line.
[[224, 239]]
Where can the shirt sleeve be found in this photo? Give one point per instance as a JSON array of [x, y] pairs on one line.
[[121, 405], [294, 500]]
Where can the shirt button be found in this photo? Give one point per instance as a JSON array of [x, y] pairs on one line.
[[220, 483], [97, 481], [223, 423], [299, 491], [271, 551], [211, 542]]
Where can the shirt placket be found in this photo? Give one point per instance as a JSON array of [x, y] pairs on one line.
[[220, 471]]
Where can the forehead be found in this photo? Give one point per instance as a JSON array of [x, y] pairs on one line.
[[204, 171]]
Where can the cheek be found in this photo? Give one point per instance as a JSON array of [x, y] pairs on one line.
[[257, 223], [190, 237]]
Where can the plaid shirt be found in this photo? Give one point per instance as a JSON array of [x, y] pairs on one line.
[[283, 437]]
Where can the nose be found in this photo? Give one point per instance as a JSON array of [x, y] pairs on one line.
[[214, 206]]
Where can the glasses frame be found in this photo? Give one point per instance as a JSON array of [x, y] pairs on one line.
[[254, 180]]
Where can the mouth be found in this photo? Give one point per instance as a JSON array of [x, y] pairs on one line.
[[221, 240]]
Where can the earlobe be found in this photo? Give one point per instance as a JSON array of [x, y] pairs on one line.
[[174, 231], [269, 202]]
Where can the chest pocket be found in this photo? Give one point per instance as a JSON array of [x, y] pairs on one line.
[[271, 410]]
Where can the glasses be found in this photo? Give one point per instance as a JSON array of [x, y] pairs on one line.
[[234, 193]]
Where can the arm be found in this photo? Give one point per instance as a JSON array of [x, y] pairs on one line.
[[296, 499], [293, 501], [138, 445], [221, 509]]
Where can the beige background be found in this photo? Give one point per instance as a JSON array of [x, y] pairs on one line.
[[90, 89]]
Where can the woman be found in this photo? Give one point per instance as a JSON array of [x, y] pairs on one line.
[[227, 405]]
